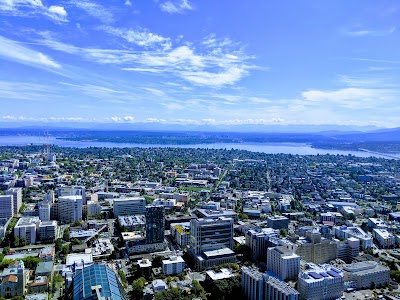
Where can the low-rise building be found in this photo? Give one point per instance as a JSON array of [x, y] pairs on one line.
[[39, 285], [344, 232], [222, 274], [26, 228], [367, 274], [132, 223], [158, 285], [278, 222], [383, 237], [173, 265], [320, 283], [181, 233]]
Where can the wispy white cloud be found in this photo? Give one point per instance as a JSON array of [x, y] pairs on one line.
[[369, 32], [366, 81], [176, 7], [214, 67], [27, 91], [52, 119], [155, 92], [142, 37], [23, 8], [227, 76], [95, 10], [352, 97], [12, 50], [57, 13], [384, 61], [125, 119]]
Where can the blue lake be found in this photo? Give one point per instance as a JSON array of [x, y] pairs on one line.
[[271, 148]]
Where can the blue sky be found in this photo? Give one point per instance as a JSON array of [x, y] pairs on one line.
[[200, 62]]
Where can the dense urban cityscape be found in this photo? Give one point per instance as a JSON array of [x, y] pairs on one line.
[[199, 150], [169, 223]]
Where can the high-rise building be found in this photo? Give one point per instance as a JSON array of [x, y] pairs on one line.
[[211, 241], [259, 286], [47, 230], [44, 211], [74, 190], [259, 240], [348, 249], [129, 206], [155, 224], [322, 282], [70, 209], [96, 282], [314, 248], [283, 262], [17, 197], [6, 206]]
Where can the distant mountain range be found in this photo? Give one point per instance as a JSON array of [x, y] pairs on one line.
[[147, 133], [301, 128]]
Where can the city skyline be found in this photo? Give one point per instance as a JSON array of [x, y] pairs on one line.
[[200, 62]]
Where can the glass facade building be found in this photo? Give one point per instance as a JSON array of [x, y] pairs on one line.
[[96, 282]]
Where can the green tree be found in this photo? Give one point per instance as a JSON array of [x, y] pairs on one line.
[[123, 278], [198, 290], [170, 294], [65, 250], [137, 288], [58, 245], [6, 250], [31, 262], [66, 235]]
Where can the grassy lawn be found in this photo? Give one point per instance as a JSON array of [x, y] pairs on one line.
[[194, 188]]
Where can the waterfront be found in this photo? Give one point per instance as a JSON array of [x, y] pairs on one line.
[[270, 148]]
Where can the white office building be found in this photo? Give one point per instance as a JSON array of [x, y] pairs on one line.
[[26, 228], [44, 211], [322, 282], [367, 275], [283, 262], [129, 206], [6, 206], [259, 286], [64, 190], [93, 208], [70, 209], [173, 265], [17, 197], [344, 232], [383, 237], [165, 202]]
